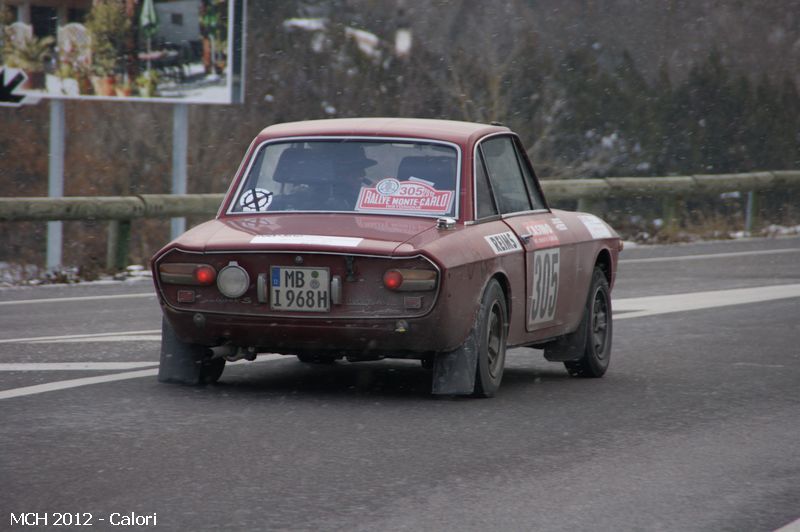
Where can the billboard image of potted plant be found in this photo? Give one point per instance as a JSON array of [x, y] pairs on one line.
[[170, 51]]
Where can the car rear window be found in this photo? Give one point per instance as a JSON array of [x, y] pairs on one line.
[[413, 178]]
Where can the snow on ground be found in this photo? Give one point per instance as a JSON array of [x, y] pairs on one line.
[[14, 275]]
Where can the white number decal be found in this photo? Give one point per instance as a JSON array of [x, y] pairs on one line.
[[544, 295]]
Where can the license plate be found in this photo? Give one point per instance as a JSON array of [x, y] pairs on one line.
[[300, 289]]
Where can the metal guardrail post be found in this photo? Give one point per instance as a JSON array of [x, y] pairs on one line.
[[118, 244], [669, 212], [750, 213]]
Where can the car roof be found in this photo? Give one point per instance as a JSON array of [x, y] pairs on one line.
[[447, 130]]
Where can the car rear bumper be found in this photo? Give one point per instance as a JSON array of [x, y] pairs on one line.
[[382, 337]]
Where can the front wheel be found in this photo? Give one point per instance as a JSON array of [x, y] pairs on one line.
[[591, 343], [185, 363]]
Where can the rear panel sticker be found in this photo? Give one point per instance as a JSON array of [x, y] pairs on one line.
[[597, 227], [544, 290], [319, 240], [542, 234], [415, 196], [503, 243]]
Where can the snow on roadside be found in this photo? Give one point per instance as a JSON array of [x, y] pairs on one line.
[[14, 275]]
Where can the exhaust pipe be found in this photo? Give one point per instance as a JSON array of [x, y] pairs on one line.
[[232, 353]]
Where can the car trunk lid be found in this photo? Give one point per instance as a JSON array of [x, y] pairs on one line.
[[334, 233]]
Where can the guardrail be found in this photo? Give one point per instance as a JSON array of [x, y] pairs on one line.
[[121, 210]]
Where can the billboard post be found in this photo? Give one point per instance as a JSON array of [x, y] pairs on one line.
[[180, 148], [55, 180]]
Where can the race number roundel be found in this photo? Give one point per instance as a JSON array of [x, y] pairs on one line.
[[256, 200], [544, 297]]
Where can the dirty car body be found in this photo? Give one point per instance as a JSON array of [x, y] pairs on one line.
[[374, 238]]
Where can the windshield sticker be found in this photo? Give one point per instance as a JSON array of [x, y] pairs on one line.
[[255, 200], [390, 195], [318, 240], [503, 243], [597, 228], [388, 186], [559, 224], [419, 180], [542, 234]]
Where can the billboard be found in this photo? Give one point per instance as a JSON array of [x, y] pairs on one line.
[[172, 51]]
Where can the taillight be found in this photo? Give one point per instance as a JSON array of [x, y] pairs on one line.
[[408, 280], [205, 274], [392, 279], [185, 273]]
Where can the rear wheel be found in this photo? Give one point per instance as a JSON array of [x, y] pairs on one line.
[[186, 363], [491, 332]]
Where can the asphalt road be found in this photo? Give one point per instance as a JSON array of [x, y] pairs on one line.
[[695, 427]]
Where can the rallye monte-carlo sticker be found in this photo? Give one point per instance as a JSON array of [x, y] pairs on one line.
[[414, 196], [503, 243]]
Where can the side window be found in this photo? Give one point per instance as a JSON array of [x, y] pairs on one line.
[[530, 180], [483, 194], [505, 175]]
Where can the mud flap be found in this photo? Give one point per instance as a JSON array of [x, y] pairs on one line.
[[454, 372], [180, 362], [571, 346]]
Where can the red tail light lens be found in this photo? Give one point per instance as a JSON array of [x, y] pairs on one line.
[[410, 280], [187, 273], [392, 279], [205, 275]]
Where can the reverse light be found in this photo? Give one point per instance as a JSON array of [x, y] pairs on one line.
[[187, 273], [408, 280]]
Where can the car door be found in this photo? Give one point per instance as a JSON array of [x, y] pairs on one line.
[[548, 242]]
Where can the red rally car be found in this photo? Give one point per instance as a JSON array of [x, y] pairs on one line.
[[388, 237]]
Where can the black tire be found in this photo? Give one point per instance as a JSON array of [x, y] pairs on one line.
[[185, 363], [592, 340], [310, 358], [491, 332]]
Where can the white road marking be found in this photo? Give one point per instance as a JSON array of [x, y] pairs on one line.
[[794, 526], [710, 256], [72, 299], [638, 307], [73, 366], [83, 337], [74, 383], [86, 381], [756, 365], [119, 338]]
